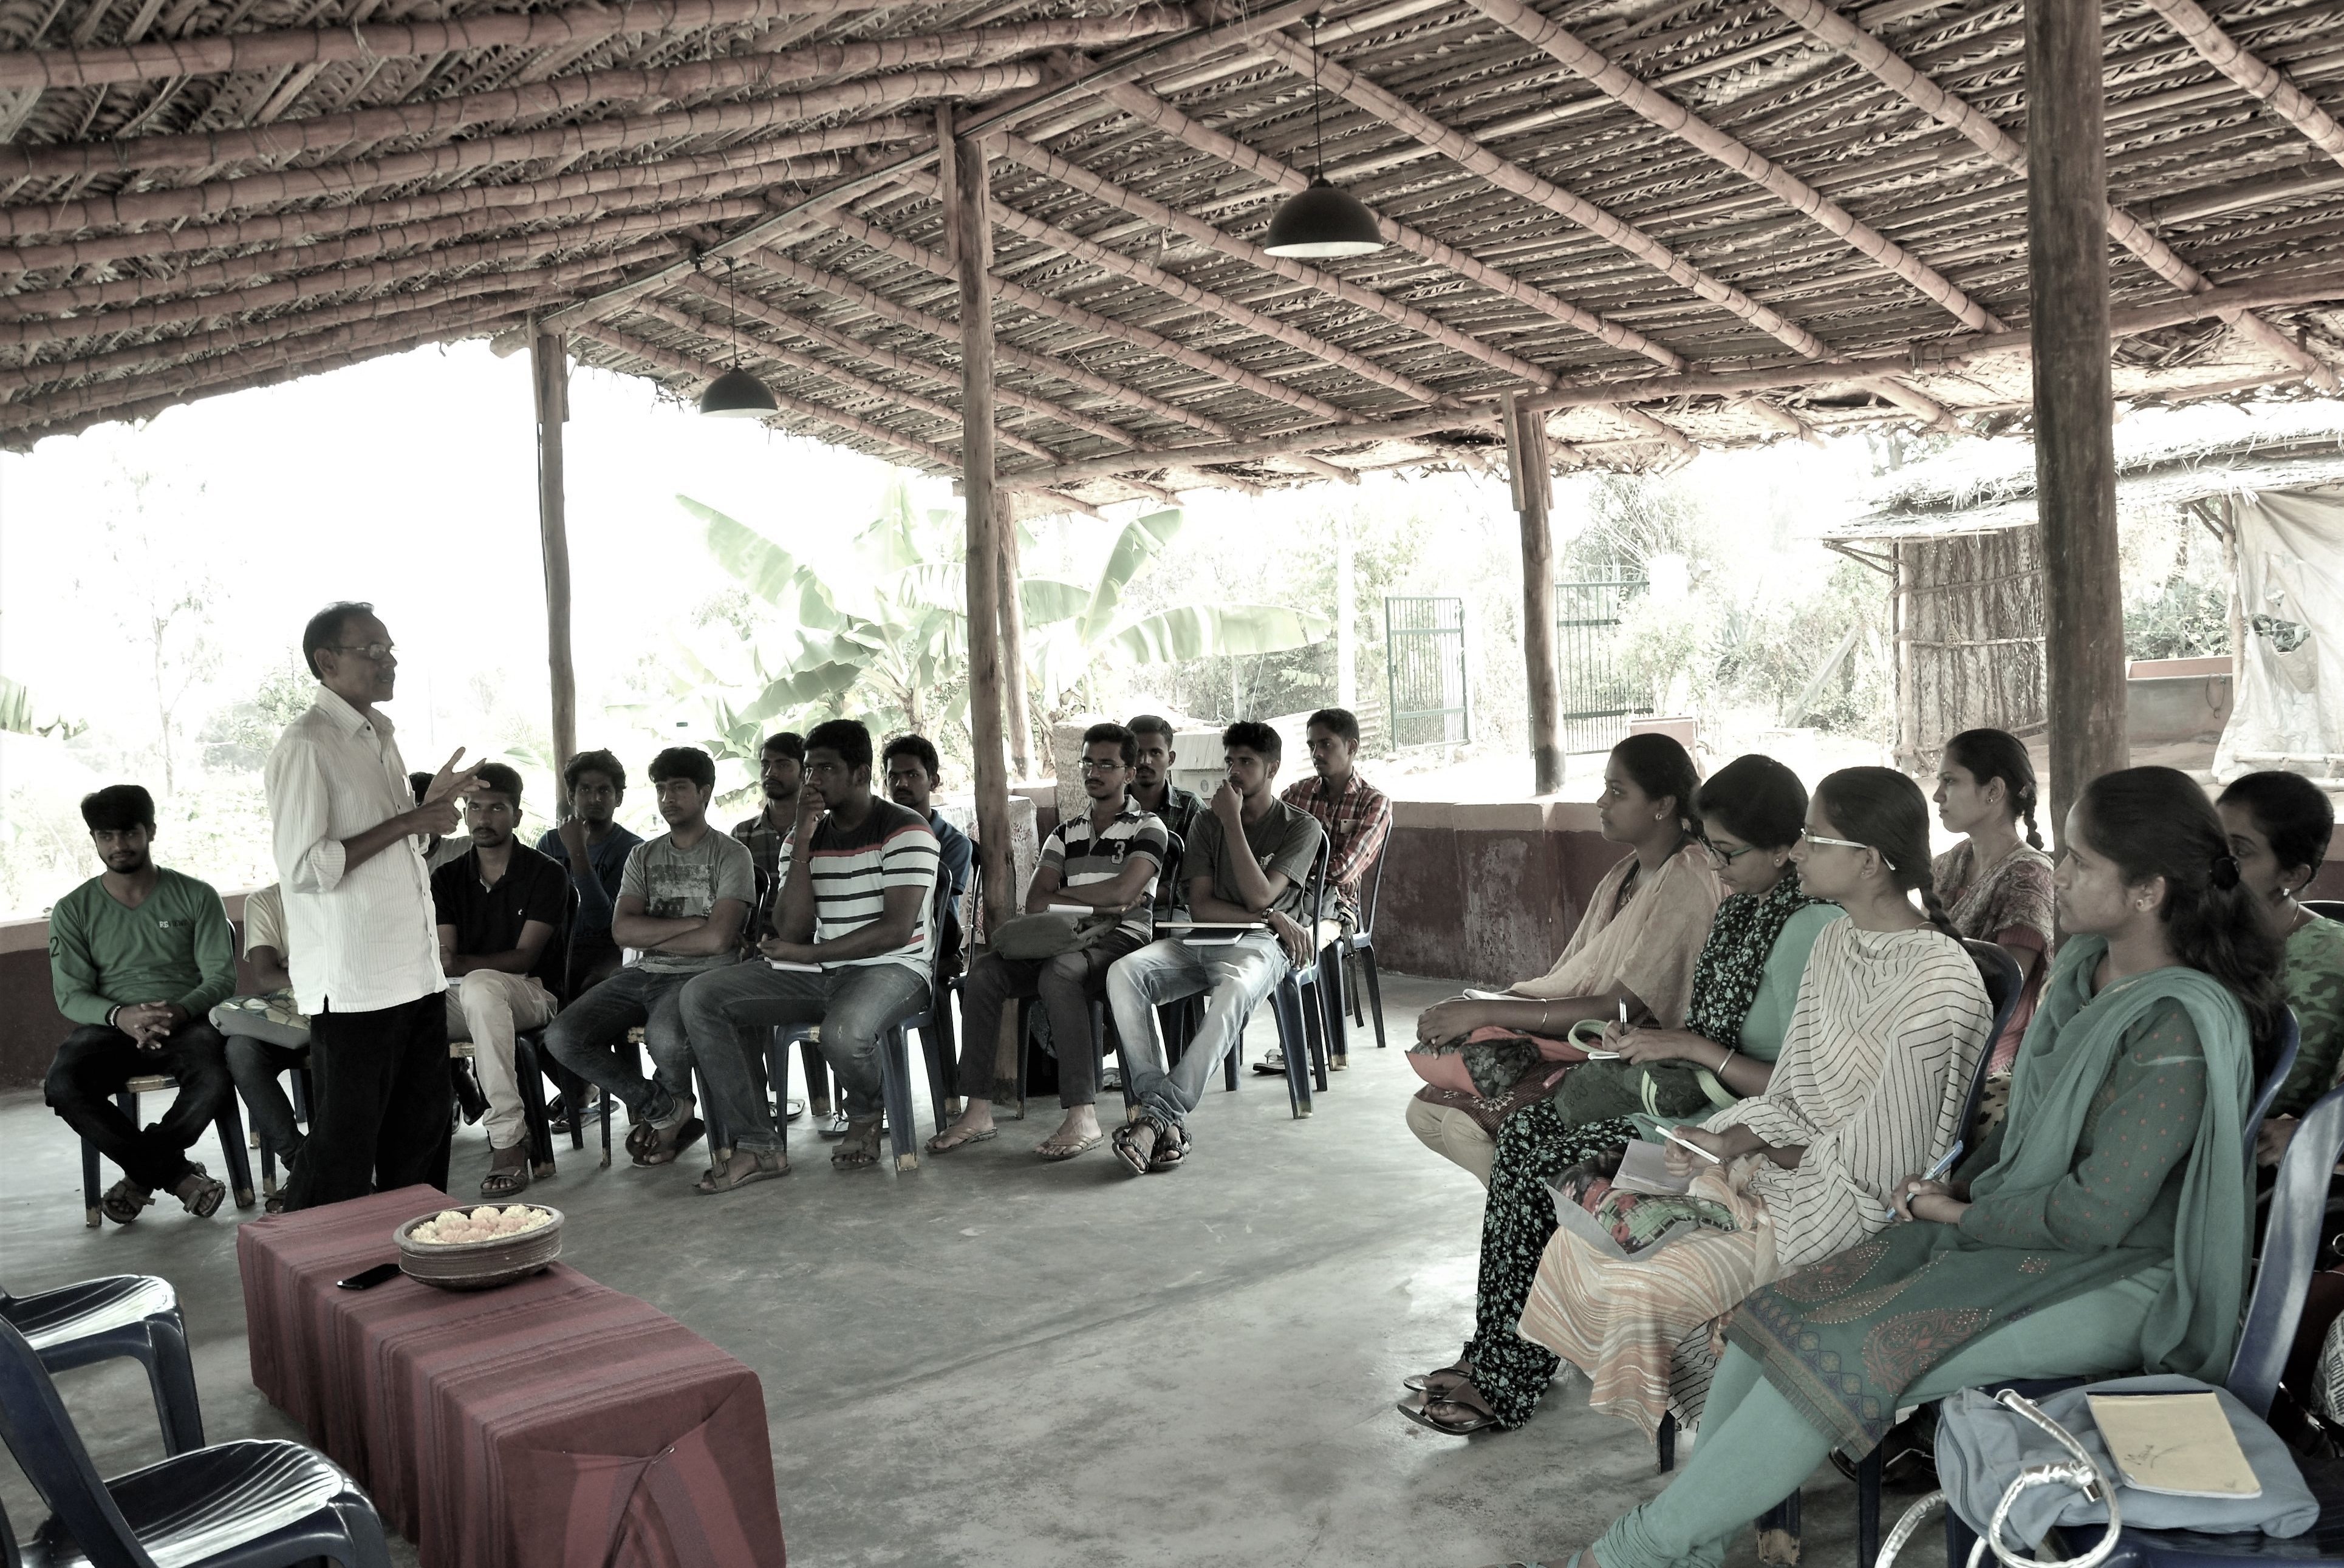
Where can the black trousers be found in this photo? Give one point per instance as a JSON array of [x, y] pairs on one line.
[[95, 1062], [380, 1117]]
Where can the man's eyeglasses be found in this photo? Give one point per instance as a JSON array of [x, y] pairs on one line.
[[372, 653], [1718, 857], [1093, 765], [1846, 844]]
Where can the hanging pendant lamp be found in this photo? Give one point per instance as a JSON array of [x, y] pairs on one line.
[[737, 393], [1323, 220]]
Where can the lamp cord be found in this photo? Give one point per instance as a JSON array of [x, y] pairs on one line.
[[1318, 109]]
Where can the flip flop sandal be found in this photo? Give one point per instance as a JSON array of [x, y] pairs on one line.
[[859, 1149], [730, 1172], [1462, 1368], [206, 1201], [1128, 1145], [123, 1200], [1477, 1415], [945, 1142], [1272, 1063], [507, 1181], [1068, 1150], [666, 1145]]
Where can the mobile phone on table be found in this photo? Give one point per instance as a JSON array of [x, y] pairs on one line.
[[368, 1279]]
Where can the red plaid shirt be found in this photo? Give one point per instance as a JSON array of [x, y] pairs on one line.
[[1358, 819]]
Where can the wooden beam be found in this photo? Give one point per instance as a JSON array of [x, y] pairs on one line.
[[549, 375], [1015, 716], [1893, 71], [966, 211], [209, 198], [1481, 417], [1623, 86], [440, 118], [1533, 488], [2074, 413], [2260, 79]]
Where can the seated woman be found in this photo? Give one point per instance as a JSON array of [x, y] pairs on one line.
[[2102, 1230], [1742, 989], [1996, 888], [1631, 957], [1891, 1025], [2280, 824]]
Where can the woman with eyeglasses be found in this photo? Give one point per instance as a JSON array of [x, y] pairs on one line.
[[1482, 1057], [1890, 1024], [2103, 1229], [1742, 989], [1996, 886]]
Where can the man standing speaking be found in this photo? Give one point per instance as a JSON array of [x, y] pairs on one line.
[[348, 839]]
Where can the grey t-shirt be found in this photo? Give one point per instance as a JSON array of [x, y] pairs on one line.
[[1286, 840], [677, 884]]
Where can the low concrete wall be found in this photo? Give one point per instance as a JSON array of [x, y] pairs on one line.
[[2177, 699], [1487, 894]]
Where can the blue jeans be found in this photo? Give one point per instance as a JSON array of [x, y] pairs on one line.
[[1234, 976], [728, 1010], [589, 1038]]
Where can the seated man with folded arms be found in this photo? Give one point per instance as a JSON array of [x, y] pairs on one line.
[[913, 772], [1153, 791], [267, 1034], [138, 958], [500, 910], [1106, 859], [682, 903], [856, 948], [1357, 819], [1247, 864], [589, 844]]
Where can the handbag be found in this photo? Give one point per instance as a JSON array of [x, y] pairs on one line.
[[1052, 932]]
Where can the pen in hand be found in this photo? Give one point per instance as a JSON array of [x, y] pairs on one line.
[[1937, 1171], [1674, 1137]]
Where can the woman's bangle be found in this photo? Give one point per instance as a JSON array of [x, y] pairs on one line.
[[1730, 1052], [1543, 1012]]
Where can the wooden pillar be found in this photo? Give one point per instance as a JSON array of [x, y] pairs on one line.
[[1528, 464], [549, 361], [2075, 454], [2229, 531], [1906, 751], [1014, 717], [972, 227]]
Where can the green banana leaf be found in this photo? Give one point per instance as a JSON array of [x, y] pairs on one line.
[[20, 716], [1046, 601], [1141, 541], [767, 570], [1199, 631]]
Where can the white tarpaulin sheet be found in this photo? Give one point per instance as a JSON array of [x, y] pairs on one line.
[[2289, 710]]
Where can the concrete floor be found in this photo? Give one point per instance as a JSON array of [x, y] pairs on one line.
[[995, 1361]]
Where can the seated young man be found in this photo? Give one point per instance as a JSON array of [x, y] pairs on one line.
[[592, 846], [1355, 818], [1106, 859], [857, 933], [500, 910], [266, 1033], [138, 958], [913, 772], [1153, 791], [781, 774], [681, 904], [1247, 864]]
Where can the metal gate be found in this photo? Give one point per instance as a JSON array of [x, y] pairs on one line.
[[1596, 693], [1424, 672]]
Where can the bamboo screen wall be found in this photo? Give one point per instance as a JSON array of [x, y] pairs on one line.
[[1969, 640]]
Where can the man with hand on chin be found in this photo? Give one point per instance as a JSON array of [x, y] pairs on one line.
[[348, 839], [138, 958]]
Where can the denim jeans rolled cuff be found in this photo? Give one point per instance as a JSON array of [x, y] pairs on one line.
[[93, 1064], [727, 1012], [588, 1037], [1233, 978]]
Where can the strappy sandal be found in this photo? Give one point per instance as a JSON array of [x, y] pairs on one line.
[[662, 1144], [859, 1149], [508, 1174], [1459, 1371], [204, 1200], [1135, 1142], [1171, 1148], [1475, 1414], [950, 1139], [124, 1199], [731, 1171]]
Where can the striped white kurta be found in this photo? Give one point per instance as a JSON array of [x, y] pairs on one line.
[[1883, 1040]]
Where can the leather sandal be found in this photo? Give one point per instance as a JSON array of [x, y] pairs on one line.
[[859, 1149], [738, 1168], [1461, 1412], [508, 1173], [199, 1194], [1459, 1370], [124, 1199]]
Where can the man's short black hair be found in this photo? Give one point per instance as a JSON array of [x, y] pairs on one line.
[[496, 776], [788, 742], [1153, 724], [418, 783], [1339, 722], [915, 746], [1254, 737], [325, 628], [601, 762], [118, 808], [1119, 736], [850, 738], [684, 762]]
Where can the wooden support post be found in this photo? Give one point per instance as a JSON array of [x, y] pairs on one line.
[[969, 217], [1013, 716], [549, 363], [1533, 486], [1907, 751], [2229, 530], [2075, 452]]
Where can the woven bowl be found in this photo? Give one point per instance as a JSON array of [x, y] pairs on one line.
[[478, 1265]]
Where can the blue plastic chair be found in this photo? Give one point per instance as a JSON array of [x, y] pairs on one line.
[[119, 1315], [2290, 1041], [1361, 942], [1299, 1002], [247, 1504]]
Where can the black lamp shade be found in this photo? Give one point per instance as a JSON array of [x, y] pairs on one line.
[[737, 394], [1322, 222]]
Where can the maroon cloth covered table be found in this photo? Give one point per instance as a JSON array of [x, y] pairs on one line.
[[552, 1421]]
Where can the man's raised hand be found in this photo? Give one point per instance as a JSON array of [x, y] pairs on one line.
[[450, 780]]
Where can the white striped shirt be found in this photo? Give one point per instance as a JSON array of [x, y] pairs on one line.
[[363, 937], [854, 868]]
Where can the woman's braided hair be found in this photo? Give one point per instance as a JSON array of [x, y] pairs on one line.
[[1987, 755], [1884, 808]]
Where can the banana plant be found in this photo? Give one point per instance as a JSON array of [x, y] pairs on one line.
[[21, 715]]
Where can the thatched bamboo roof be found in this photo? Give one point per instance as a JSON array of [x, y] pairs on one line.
[[1674, 223]]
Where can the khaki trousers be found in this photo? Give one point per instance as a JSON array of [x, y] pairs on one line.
[[488, 1007], [1453, 1135]]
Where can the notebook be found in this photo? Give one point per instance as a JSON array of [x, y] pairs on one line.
[[2178, 1444], [1645, 1167], [788, 967], [1207, 933]]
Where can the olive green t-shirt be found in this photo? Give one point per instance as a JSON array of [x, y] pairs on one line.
[[177, 947]]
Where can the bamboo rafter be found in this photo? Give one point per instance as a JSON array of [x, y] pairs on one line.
[[2259, 77]]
